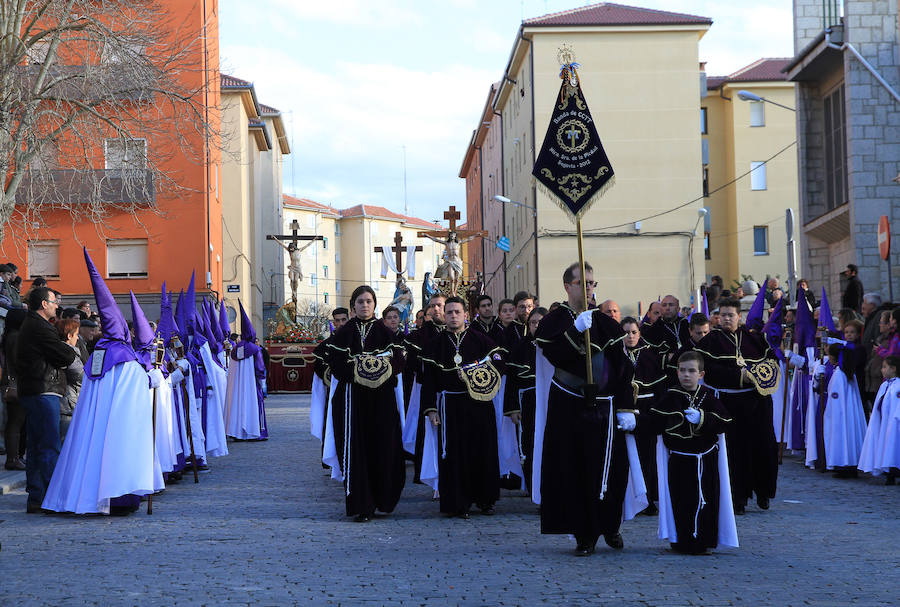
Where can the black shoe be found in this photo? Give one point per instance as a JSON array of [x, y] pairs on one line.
[[33, 508], [762, 502], [362, 518], [739, 509], [15, 464], [487, 510], [583, 550], [650, 510], [614, 540], [463, 514]]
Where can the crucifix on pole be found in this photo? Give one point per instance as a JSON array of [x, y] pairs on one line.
[[398, 252], [295, 273], [452, 267]]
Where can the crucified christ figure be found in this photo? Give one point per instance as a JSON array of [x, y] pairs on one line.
[[295, 272]]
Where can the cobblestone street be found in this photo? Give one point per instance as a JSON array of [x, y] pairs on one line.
[[266, 527]]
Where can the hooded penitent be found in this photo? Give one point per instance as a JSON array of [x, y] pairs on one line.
[[755, 315], [114, 346], [144, 336]]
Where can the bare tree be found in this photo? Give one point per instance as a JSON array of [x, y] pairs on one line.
[[97, 97]]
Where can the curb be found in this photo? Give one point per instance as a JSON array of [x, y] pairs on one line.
[[10, 480]]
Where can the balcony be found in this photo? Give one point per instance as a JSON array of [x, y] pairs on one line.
[[69, 187]]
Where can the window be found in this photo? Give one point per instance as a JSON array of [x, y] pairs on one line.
[[706, 252], [313, 279], [325, 243], [757, 113], [324, 271], [705, 182], [760, 240], [121, 51], [703, 121], [43, 258], [123, 153], [836, 192], [757, 175], [37, 53], [126, 258], [326, 297]]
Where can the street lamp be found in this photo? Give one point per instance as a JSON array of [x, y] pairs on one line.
[[505, 200], [748, 96]]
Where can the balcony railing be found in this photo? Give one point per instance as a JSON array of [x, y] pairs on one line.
[[76, 186]]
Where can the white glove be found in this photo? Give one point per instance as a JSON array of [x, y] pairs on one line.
[[156, 377], [176, 377], [692, 415], [184, 365], [835, 340], [584, 321], [819, 371], [626, 421], [797, 360]]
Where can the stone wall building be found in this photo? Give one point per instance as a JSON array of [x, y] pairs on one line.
[[848, 130]]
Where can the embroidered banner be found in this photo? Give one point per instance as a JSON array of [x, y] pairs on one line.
[[572, 167]]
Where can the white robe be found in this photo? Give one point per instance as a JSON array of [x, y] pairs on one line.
[[844, 424], [109, 450], [881, 446], [166, 435], [318, 404], [195, 408], [242, 419], [214, 431]]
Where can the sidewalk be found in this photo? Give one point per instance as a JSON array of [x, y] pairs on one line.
[[11, 480]]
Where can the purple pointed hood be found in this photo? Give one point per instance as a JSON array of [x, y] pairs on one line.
[[190, 309], [143, 334], [181, 319], [199, 329], [112, 321], [804, 324], [167, 326], [705, 305], [825, 318], [755, 315], [114, 347], [248, 333], [223, 321], [207, 327], [213, 321], [773, 329]]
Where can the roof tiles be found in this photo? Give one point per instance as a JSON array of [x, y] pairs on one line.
[[607, 13]]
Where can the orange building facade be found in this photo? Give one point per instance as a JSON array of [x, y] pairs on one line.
[[177, 229]]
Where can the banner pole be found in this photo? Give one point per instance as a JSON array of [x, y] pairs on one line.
[[587, 333]]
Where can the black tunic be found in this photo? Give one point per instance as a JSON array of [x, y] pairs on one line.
[[470, 470], [492, 329], [651, 381], [514, 333], [415, 343], [752, 450], [373, 466], [519, 398], [696, 524], [667, 338], [576, 432]]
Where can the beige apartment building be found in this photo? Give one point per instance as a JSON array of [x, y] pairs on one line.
[[745, 228], [345, 258], [640, 73], [254, 141]]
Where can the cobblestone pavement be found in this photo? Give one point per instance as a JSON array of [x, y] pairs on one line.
[[266, 527]]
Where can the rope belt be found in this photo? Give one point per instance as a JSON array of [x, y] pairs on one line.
[[701, 501], [442, 408]]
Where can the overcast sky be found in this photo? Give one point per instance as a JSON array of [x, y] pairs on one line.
[[359, 79]]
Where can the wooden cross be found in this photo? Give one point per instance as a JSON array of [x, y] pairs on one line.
[[398, 251], [293, 236], [452, 215]]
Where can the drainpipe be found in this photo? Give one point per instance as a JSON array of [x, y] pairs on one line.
[[846, 46]]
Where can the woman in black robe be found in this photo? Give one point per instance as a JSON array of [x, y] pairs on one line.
[[365, 359]]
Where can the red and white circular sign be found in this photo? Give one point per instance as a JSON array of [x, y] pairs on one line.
[[884, 237]]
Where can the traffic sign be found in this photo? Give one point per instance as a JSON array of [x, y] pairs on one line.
[[503, 244], [884, 237]]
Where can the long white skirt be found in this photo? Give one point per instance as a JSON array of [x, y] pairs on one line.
[[241, 404]]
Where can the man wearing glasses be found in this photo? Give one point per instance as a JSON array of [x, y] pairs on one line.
[[580, 464], [40, 354]]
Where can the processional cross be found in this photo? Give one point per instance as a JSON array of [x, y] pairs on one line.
[[451, 269], [295, 273], [398, 252], [403, 297]]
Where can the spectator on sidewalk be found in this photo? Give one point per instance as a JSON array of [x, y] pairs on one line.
[[853, 293], [15, 414], [40, 355], [73, 376]]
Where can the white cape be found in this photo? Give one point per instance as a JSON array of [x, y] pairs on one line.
[[166, 435], [881, 447], [411, 425], [508, 454], [812, 412], [195, 411], [241, 404], [214, 431], [727, 527], [781, 404], [108, 451], [844, 425], [317, 407], [635, 491]]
